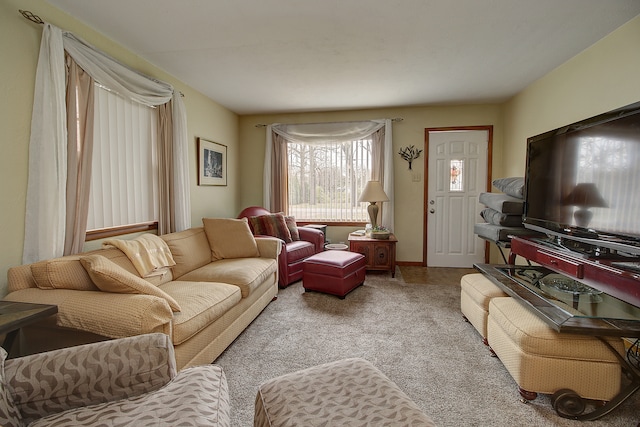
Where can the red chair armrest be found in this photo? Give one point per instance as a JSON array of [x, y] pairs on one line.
[[314, 236]]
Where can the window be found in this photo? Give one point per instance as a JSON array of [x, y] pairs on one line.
[[326, 179], [457, 175], [124, 176]]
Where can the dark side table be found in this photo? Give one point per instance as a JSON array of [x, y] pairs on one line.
[[15, 315], [379, 254]]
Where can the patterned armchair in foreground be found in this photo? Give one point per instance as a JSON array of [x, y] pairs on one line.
[[124, 382], [299, 243]]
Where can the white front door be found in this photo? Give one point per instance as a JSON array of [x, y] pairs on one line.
[[457, 174]]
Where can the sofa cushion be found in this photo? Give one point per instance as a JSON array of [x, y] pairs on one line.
[[271, 225], [498, 233], [190, 249], [293, 227], [230, 238], [513, 186], [502, 203], [93, 311], [109, 277], [62, 273], [202, 302], [9, 414], [498, 218], [247, 273]]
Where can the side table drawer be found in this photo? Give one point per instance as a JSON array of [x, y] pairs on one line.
[[362, 249], [575, 269], [381, 256]]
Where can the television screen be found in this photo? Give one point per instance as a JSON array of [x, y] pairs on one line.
[[583, 180]]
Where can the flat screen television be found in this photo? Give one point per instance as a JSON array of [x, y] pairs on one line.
[[582, 182]]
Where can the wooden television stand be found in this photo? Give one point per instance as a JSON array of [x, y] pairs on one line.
[[591, 267]]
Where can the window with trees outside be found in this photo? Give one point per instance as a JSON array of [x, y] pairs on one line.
[[325, 180]]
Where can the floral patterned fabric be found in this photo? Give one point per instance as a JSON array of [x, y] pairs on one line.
[[124, 382]]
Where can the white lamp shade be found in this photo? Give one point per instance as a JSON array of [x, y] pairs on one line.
[[373, 192]]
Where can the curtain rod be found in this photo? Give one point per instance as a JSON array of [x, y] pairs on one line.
[[262, 125], [31, 16], [35, 18]]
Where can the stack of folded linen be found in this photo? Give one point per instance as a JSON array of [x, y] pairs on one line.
[[502, 212]]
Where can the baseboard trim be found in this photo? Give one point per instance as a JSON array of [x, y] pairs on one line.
[[410, 263]]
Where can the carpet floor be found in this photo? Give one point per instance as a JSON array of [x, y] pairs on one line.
[[413, 331]]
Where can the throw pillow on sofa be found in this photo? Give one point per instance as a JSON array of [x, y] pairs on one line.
[[190, 249], [62, 273], [110, 277], [273, 225], [293, 228], [230, 238]]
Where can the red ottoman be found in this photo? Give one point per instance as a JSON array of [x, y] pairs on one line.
[[333, 272]]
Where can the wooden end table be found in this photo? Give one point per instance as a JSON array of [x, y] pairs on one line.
[[378, 253], [15, 315]]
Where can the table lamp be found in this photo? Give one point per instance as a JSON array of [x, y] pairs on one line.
[[373, 193], [584, 195]]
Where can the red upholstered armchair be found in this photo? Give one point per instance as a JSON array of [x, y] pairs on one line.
[[293, 253]]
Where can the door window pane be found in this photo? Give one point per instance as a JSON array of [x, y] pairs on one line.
[[457, 175]]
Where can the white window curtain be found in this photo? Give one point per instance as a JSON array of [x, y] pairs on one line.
[[335, 132], [45, 209], [124, 183]]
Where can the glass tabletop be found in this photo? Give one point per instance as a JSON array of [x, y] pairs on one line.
[[567, 304], [571, 295]]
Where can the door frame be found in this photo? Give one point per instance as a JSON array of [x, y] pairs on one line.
[[489, 129]]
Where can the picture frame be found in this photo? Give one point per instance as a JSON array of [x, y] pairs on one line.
[[212, 163]]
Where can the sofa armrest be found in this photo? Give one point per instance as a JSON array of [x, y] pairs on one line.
[[314, 236], [51, 382], [269, 247], [107, 314]]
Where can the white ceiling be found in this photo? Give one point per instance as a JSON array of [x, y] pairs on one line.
[[273, 56]]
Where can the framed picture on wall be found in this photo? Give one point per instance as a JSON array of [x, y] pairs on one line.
[[212, 163]]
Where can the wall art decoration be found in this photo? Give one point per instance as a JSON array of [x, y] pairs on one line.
[[212, 163]]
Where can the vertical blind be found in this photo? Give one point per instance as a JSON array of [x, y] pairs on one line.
[[124, 182], [326, 180], [601, 159]]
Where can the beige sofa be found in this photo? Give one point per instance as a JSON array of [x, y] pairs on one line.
[[216, 299]]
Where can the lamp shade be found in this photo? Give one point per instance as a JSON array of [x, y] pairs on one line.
[[585, 195], [373, 192]]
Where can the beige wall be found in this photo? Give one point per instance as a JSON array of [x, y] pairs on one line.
[[601, 78], [409, 194], [19, 46]]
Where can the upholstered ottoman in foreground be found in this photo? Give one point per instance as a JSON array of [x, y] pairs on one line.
[[476, 290], [349, 392], [542, 360], [333, 272]]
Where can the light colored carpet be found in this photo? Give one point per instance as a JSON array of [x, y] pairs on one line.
[[413, 332]]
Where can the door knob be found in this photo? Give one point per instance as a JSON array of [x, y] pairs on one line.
[[432, 210]]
